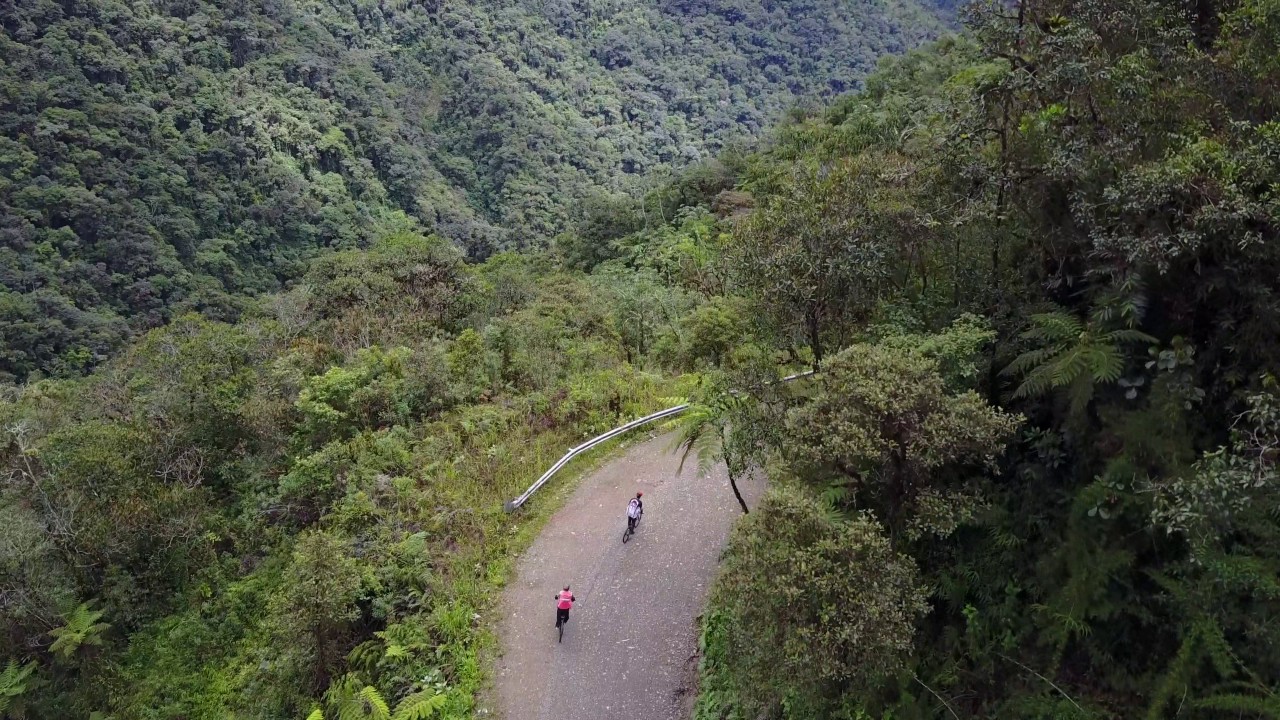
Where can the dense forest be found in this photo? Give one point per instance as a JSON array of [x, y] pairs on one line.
[[1038, 267], [1035, 266], [165, 156]]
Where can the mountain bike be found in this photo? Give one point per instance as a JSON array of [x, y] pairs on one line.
[[631, 527], [561, 620]]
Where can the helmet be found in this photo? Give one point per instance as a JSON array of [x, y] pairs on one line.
[[639, 494], [566, 587]]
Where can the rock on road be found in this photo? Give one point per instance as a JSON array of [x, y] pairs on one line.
[[629, 648]]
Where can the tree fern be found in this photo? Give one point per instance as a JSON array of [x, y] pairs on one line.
[[1072, 356], [81, 628], [835, 494], [697, 435], [13, 683], [704, 431]]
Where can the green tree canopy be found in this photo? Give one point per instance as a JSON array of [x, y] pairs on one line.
[[814, 603]]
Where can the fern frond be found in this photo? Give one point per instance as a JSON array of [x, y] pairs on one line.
[[375, 708], [833, 495], [94, 636], [833, 515], [1174, 586], [1054, 327], [1176, 676], [13, 683], [363, 704], [366, 655], [1039, 382], [1003, 539], [316, 714], [709, 455], [349, 707], [698, 435], [693, 444], [81, 628], [1070, 367], [1129, 336], [1028, 360], [11, 680], [1071, 351], [1217, 648], [1238, 705], [1105, 363], [420, 705]]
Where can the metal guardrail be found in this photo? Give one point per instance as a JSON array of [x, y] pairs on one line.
[[513, 505]]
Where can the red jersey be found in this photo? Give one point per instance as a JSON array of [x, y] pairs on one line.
[[566, 600]]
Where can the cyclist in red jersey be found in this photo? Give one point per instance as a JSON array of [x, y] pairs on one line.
[[564, 603]]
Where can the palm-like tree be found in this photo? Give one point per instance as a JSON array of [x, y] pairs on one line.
[[81, 628], [707, 430], [13, 683], [1073, 356]]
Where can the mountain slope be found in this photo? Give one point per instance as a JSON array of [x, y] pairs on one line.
[[157, 157]]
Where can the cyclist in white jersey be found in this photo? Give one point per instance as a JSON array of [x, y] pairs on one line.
[[635, 508]]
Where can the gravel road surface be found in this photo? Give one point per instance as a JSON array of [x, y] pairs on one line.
[[629, 650]]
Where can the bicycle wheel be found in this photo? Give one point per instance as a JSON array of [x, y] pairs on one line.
[[626, 535], [560, 627]]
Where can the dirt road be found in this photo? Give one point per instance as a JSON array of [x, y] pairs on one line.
[[629, 648]]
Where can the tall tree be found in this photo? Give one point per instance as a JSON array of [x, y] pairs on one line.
[[822, 248], [885, 421]]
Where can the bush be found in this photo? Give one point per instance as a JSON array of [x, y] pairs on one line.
[[812, 604]]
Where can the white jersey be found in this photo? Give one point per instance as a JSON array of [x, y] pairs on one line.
[[633, 509]]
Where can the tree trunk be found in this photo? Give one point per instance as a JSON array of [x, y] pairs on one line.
[[815, 336], [733, 483], [321, 675]]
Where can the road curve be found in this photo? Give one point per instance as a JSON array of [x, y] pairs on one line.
[[629, 649]]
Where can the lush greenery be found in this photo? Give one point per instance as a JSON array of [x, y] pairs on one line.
[[1035, 268], [303, 510], [1039, 266], [165, 156]]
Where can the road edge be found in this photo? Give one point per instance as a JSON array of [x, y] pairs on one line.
[[529, 522]]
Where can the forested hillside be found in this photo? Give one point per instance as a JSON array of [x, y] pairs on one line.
[[1035, 266], [259, 519], [1036, 477], [164, 156]]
